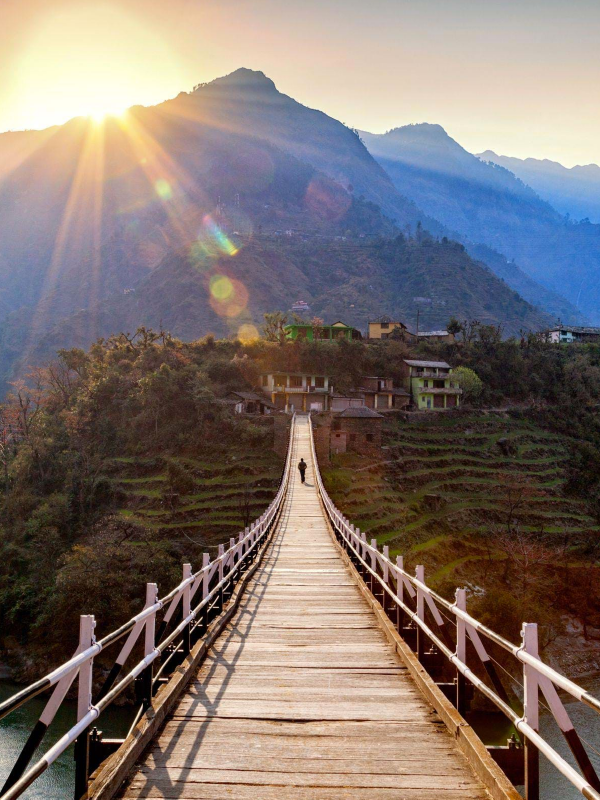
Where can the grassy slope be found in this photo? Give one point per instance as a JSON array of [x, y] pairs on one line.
[[213, 510], [439, 497]]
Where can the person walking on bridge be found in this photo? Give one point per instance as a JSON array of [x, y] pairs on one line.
[[302, 467]]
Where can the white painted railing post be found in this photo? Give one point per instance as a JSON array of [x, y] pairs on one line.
[[400, 592], [149, 644], [220, 554], [386, 576], [461, 650], [372, 581], [420, 575], [87, 624], [186, 608], [531, 711]]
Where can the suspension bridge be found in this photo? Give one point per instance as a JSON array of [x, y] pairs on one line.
[[303, 664]]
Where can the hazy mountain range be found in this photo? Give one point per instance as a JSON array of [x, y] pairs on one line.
[[571, 190], [103, 228], [486, 204]]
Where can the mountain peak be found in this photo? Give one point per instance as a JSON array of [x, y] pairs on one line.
[[243, 79]]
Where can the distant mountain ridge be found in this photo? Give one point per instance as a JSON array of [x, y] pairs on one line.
[[571, 190], [106, 228], [487, 205]]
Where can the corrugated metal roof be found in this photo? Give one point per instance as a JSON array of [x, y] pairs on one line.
[[412, 363]]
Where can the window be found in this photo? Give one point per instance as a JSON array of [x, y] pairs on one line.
[[265, 380], [295, 381], [369, 437], [385, 326], [280, 380], [352, 437], [319, 382], [426, 384]]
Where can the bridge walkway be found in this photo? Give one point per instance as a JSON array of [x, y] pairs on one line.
[[302, 698]]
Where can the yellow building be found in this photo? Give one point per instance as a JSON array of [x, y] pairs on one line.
[[381, 328]]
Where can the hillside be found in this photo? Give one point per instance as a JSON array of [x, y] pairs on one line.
[[487, 205], [571, 190], [108, 227], [355, 281], [479, 499]]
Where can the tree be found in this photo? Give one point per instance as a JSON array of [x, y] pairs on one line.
[[470, 383], [274, 327], [454, 326]]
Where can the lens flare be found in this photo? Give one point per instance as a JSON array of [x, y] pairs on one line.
[[228, 296], [221, 287], [163, 189], [212, 237], [247, 333]]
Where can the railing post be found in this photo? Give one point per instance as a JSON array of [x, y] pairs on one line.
[[386, 577], [186, 608], [149, 645], [84, 702], [420, 575], [372, 581], [400, 616], [219, 602], [205, 589], [531, 711], [461, 651]]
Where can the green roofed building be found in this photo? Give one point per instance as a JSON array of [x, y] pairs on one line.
[[313, 333]]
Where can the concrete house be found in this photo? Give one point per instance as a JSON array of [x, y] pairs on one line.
[[298, 391], [313, 333], [566, 334], [379, 393], [430, 384]]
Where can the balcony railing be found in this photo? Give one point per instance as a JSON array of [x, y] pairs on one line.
[[303, 389]]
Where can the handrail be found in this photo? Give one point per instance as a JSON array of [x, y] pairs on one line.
[[215, 580], [390, 580]]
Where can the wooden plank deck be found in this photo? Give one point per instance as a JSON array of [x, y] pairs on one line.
[[302, 698]]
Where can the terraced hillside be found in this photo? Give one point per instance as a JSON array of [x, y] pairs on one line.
[[205, 501], [478, 499]]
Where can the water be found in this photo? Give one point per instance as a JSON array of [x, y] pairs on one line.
[[57, 782], [495, 729]]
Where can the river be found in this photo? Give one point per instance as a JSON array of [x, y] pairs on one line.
[[57, 782]]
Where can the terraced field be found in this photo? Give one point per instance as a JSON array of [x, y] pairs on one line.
[[222, 494], [447, 485]]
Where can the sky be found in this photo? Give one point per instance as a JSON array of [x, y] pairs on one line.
[[519, 77]]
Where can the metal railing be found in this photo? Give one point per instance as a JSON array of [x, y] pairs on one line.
[[164, 641], [443, 629]]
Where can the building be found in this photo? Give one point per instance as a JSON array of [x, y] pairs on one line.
[[566, 334], [356, 429], [435, 336], [298, 391], [301, 307], [430, 384], [379, 393], [340, 402], [382, 327], [249, 403], [310, 332]]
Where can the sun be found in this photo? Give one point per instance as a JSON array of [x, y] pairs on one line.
[[92, 60]]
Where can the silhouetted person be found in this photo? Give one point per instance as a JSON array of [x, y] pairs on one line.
[[302, 467]]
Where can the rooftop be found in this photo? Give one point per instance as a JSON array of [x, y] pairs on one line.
[[432, 333], [360, 411], [425, 364]]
